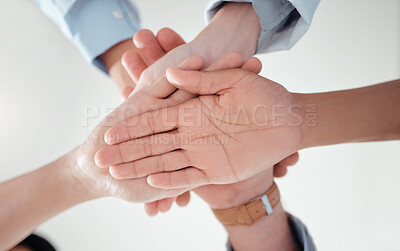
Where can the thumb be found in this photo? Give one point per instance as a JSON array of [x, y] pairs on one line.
[[203, 83]]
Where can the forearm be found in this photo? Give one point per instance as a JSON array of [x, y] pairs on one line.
[[113, 55], [357, 115], [234, 28], [112, 61], [31, 199], [269, 233]]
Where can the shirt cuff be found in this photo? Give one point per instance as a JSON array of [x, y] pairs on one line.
[[97, 25], [283, 22], [299, 233]]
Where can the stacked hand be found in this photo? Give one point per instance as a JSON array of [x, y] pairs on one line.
[[159, 94], [98, 182], [135, 64]]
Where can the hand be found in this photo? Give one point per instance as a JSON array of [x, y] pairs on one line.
[[118, 58], [98, 182], [150, 51], [230, 195], [241, 29], [246, 125], [156, 97], [112, 61], [235, 194], [152, 48]]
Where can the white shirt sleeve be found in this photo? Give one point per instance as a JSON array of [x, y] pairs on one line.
[[283, 22]]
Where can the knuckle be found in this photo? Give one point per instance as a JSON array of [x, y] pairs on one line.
[[134, 171], [147, 149], [161, 164]]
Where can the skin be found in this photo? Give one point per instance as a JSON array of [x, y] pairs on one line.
[[37, 196], [217, 136], [357, 115], [164, 40], [126, 75], [364, 114], [112, 61], [75, 178], [241, 31], [277, 233]]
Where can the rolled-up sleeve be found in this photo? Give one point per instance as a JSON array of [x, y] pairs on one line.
[[283, 22], [93, 26]]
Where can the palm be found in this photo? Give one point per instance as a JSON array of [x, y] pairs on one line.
[[228, 135], [165, 89], [219, 196], [98, 180]]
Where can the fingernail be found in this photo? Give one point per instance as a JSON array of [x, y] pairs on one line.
[[170, 75]]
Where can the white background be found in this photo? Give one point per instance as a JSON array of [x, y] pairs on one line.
[[348, 195]]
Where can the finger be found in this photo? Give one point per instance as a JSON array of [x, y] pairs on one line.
[[183, 199], [122, 78], [144, 124], [161, 88], [180, 96], [194, 62], [290, 160], [204, 83], [126, 91], [229, 61], [165, 205], [169, 39], [148, 45], [162, 163], [151, 208], [252, 64], [133, 64], [137, 149], [280, 170], [188, 177]]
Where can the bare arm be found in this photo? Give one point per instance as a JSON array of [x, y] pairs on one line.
[[31, 199], [358, 115], [112, 60], [269, 233]]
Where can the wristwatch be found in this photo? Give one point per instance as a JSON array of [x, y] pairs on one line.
[[250, 212]]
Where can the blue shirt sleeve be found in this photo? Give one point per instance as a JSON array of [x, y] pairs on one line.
[[299, 233], [283, 22], [93, 26]]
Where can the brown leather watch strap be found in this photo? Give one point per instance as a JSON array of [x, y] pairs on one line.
[[249, 213]]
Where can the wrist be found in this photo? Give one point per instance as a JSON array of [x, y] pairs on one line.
[[71, 181], [307, 113], [234, 28], [114, 54], [269, 233], [244, 191]]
